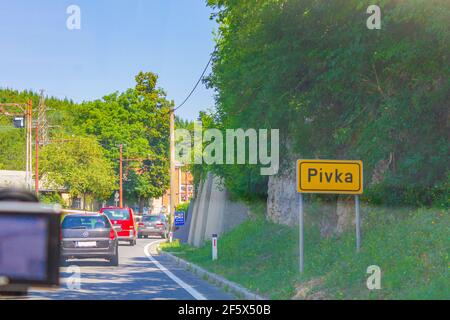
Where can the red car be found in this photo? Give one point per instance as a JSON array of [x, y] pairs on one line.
[[125, 218]]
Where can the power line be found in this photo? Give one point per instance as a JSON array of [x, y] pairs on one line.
[[196, 85]]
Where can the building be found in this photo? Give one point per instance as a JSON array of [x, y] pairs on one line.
[[13, 179], [185, 190], [17, 180]]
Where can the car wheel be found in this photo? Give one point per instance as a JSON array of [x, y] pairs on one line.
[[164, 235], [114, 261], [146, 236]]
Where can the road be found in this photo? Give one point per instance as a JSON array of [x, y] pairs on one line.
[[138, 276]]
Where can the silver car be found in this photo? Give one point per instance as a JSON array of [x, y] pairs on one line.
[[85, 236], [153, 225]]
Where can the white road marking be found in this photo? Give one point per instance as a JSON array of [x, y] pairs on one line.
[[197, 295]]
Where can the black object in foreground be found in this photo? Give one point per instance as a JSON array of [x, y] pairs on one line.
[[29, 243]]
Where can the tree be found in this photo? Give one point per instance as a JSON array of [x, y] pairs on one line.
[[79, 165], [12, 140], [336, 89], [138, 119]]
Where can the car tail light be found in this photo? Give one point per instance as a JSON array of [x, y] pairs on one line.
[[140, 224], [112, 234], [159, 225]]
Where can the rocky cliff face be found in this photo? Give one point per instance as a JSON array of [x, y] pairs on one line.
[[331, 217], [282, 198]]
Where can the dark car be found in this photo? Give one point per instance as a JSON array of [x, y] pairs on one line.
[[85, 236], [153, 225]]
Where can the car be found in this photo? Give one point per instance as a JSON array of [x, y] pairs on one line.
[[86, 236], [153, 225], [125, 218]]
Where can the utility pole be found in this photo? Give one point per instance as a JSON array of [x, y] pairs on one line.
[[29, 143], [36, 161], [27, 146], [120, 178], [172, 169], [186, 191]]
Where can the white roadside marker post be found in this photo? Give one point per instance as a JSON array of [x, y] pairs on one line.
[[214, 247]]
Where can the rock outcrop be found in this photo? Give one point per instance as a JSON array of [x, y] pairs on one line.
[[332, 216]]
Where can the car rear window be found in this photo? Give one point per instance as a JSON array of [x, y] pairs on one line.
[[117, 214], [151, 218], [100, 222]]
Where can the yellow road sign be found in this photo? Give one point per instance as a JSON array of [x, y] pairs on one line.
[[330, 176]]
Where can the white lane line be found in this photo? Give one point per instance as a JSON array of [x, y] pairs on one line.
[[197, 295]]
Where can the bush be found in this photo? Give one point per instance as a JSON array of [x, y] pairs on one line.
[[51, 198]]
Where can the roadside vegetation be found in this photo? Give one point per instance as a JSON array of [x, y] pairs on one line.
[[82, 155], [337, 90], [411, 247]]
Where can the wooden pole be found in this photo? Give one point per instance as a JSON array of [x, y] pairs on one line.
[[36, 163], [120, 178], [172, 169], [29, 139]]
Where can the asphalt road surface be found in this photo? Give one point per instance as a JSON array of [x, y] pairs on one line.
[[140, 275]]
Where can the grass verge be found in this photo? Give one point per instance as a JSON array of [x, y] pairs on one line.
[[411, 248]]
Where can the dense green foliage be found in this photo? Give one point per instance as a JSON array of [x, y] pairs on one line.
[[336, 89], [52, 198], [410, 247], [80, 166], [12, 140], [183, 207], [139, 120], [12, 146], [83, 155]]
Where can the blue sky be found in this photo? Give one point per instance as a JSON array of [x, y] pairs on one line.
[[117, 39]]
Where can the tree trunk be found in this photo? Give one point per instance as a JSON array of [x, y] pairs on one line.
[[84, 201], [141, 205]]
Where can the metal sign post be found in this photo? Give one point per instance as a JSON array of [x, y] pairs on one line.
[[357, 224], [332, 177], [300, 227]]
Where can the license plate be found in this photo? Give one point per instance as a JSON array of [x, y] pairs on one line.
[[86, 244]]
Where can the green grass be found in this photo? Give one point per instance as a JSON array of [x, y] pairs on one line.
[[410, 246]]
